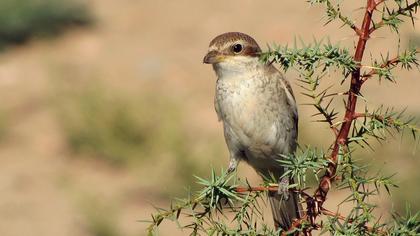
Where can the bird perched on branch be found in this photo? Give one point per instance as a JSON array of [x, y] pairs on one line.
[[259, 114]]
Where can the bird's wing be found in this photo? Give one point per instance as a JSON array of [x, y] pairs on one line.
[[286, 210], [290, 96], [216, 107], [286, 116]]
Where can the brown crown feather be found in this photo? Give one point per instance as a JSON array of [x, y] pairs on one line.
[[251, 47], [222, 39]]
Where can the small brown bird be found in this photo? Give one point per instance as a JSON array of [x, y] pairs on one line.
[[259, 114]]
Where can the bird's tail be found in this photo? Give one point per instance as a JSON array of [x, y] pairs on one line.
[[284, 209]]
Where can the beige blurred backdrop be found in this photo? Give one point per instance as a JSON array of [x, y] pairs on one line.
[[102, 122]]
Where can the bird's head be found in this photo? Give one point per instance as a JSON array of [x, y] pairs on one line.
[[232, 51]]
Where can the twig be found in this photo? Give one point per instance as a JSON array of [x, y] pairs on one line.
[[399, 12], [328, 119], [387, 120], [374, 71], [387, 64], [344, 19]]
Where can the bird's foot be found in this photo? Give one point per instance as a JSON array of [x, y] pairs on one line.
[[283, 188], [233, 163]]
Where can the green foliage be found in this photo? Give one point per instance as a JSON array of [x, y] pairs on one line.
[[354, 224], [333, 12], [337, 168], [215, 189], [383, 68], [306, 160], [311, 56], [207, 209], [394, 17], [23, 19], [381, 122], [405, 225]]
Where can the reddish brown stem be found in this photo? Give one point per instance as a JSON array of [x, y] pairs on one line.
[[355, 86]]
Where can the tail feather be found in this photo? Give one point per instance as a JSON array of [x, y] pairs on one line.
[[284, 211]]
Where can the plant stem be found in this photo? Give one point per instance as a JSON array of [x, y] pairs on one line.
[[355, 86]]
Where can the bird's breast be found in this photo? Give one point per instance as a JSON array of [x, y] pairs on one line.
[[251, 108]]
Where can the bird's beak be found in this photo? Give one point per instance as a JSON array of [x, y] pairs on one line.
[[213, 57]]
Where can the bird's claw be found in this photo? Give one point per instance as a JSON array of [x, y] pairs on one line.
[[232, 165], [283, 188]]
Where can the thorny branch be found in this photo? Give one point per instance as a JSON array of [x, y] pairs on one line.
[[387, 120], [389, 64], [309, 200], [342, 138], [400, 11], [343, 18], [355, 86]]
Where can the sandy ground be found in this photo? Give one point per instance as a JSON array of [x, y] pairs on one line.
[[137, 47]]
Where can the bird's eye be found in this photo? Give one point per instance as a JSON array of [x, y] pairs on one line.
[[237, 48]]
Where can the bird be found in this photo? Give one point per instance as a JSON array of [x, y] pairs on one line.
[[257, 107]]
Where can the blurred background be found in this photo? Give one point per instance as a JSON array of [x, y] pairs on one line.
[[107, 108]]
